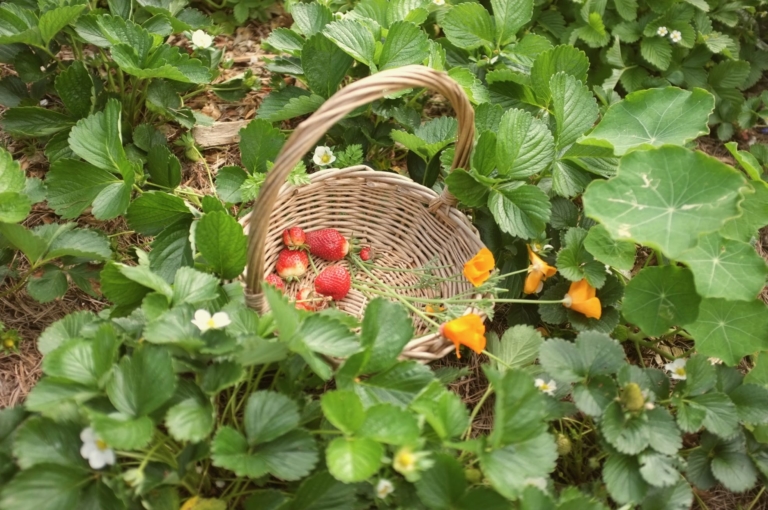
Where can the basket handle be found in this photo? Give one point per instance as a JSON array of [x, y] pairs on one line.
[[309, 132]]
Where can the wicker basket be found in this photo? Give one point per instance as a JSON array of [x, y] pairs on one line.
[[406, 224]]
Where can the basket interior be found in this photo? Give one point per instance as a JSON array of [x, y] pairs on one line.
[[387, 212]]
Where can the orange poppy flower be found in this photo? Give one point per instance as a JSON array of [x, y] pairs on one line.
[[581, 298], [538, 271], [479, 267], [467, 330]]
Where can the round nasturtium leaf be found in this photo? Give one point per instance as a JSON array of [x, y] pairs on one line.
[[665, 198], [729, 330], [723, 268], [655, 117], [660, 297]]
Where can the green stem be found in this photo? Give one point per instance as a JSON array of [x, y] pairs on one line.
[[207, 168], [497, 359], [18, 285], [476, 410]]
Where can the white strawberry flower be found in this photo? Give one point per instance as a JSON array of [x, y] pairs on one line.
[[546, 387], [677, 369], [95, 450], [662, 31], [205, 321], [384, 488], [323, 156], [439, 3], [676, 36], [201, 40]]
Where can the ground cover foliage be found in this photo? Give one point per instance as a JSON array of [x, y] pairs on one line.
[[585, 119]]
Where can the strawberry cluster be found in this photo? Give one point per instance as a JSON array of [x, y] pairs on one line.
[[333, 282]]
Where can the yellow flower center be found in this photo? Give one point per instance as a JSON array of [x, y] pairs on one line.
[[544, 387], [325, 158], [8, 343], [680, 371], [101, 445], [406, 460], [211, 323]]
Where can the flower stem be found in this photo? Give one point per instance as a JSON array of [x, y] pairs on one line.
[[476, 410]]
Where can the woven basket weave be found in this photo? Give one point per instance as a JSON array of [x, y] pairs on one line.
[[406, 224]]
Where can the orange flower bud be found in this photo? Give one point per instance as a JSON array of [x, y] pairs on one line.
[[538, 271], [581, 298], [479, 267], [468, 330]]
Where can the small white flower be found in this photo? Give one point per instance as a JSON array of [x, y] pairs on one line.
[[95, 450], [219, 483], [650, 406], [677, 369], [715, 361], [43, 102], [676, 36], [384, 488], [546, 387], [205, 321], [439, 3], [199, 469], [662, 31], [323, 156], [201, 40]]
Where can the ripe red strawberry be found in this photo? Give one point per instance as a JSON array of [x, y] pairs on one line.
[[276, 282], [366, 253], [328, 244], [333, 281], [291, 264], [294, 238]]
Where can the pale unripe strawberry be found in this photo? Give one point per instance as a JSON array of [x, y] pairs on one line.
[[276, 282], [291, 264]]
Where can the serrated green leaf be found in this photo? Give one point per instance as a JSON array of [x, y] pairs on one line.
[[165, 62], [466, 188], [354, 38], [259, 143], [220, 376], [700, 375], [43, 441], [53, 21], [657, 51], [45, 487], [389, 424], [353, 459], [726, 269], [469, 26], [618, 254], [311, 18], [594, 395], [591, 354], [729, 330], [154, 210], [142, 382], [524, 145], [80, 242], [344, 410], [733, 467], [519, 409], [509, 468], [325, 65], [171, 250], [33, 121], [517, 348], [285, 39], [660, 297], [76, 90], [192, 419], [398, 385], [509, 17], [443, 410], [221, 241], [623, 480], [729, 74], [574, 108], [49, 285], [720, 415], [98, 140], [575, 263], [520, 209], [327, 336], [653, 199], [122, 431], [164, 167], [269, 415], [751, 401], [386, 328], [406, 44], [652, 117], [627, 432], [564, 58], [443, 485]]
